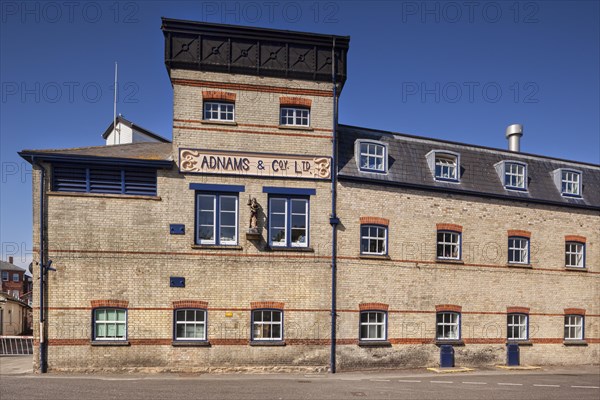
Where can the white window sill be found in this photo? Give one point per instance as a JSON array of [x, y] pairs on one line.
[[296, 127], [217, 122], [110, 343]]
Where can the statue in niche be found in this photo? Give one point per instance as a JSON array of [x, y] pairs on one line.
[[254, 206]]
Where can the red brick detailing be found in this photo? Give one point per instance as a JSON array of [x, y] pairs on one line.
[[253, 88], [575, 238], [518, 232], [267, 304], [190, 304], [517, 310], [374, 221], [295, 101], [216, 95], [576, 311], [448, 307], [449, 227], [150, 342], [197, 121], [110, 303], [193, 128], [484, 340], [373, 306]]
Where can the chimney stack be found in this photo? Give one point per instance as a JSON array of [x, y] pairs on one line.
[[10, 259], [513, 134]]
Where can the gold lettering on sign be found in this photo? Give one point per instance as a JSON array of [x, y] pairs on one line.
[[254, 164]]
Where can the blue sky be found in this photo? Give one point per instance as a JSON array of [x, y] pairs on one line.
[[460, 71]]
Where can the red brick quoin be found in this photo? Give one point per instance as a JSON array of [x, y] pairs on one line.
[[518, 232], [217, 95], [575, 238], [576, 311], [110, 303], [517, 310], [374, 221], [190, 304], [295, 101], [449, 227], [373, 306], [448, 307], [267, 304]]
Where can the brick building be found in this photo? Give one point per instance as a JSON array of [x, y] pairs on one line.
[[228, 247]]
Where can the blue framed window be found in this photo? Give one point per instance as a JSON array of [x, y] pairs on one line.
[[267, 325], [517, 326], [219, 111], [15, 277], [288, 221], [448, 325], [5, 276], [518, 250], [373, 325], [371, 156], [575, 254], [103, 179], [574, 327], [515, 175], [449, 245], [294, 116], [190, 324], [570, 183], [109, 324], [216, 218], [373, 239]]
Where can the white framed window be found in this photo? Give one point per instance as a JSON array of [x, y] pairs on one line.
[[5, 276], [515, 175], [219, 111], [518, 250], [446, 167], [574, 327], [570, 183], [288, 221], [372, 156], [448, 325], [110, 324], [575, 254], [448, 245], [190, 324], [15, 277], [373, 239], [517, 327], [267, 325], [216, 219], [294, 116], [373, 325]]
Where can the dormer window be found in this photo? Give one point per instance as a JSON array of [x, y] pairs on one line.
[[513, 174], [444, 165], [218, 111], [372, 156], [570, 183]]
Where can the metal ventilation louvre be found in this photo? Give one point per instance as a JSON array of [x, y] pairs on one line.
[[104, 179], [69, 178]]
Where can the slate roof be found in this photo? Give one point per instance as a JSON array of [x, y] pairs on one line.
[[145, 151], [6, 266], [407, 166]]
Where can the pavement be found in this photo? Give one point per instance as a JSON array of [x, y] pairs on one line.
[[548, 383]]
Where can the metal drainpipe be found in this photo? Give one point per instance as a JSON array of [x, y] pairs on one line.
[[333, 219], [43, 344]]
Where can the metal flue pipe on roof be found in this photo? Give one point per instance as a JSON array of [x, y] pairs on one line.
[[513, 134]]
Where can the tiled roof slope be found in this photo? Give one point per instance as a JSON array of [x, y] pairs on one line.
[[134, 151], [408, 167]]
